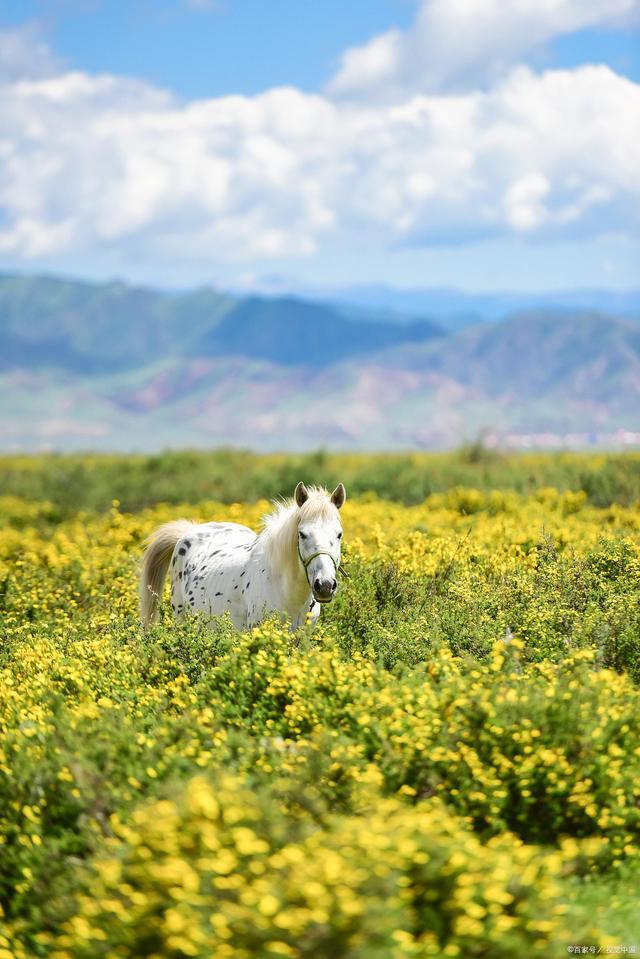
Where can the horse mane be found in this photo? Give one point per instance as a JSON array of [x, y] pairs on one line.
[[279, 534]]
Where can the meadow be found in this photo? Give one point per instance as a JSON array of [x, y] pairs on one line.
[[447, 766]]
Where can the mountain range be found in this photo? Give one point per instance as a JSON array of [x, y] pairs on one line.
[[114, 366], [454, 309]]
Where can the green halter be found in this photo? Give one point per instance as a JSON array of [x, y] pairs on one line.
[[305, 562]]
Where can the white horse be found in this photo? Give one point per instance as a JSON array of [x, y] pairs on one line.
[[290, 566]]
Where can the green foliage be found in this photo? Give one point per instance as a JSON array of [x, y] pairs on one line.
[[450, 757], [73, 482], [560, 603], [547, 752], [608, 902], [222, 872]]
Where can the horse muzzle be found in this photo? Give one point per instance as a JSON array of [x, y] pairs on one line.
[[324, 590]]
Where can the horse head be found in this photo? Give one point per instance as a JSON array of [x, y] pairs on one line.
[[319, 538]]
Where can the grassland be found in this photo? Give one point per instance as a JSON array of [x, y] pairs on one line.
[[74, 482], [448, 766]]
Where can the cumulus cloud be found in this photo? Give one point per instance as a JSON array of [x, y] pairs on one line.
[[23, 53], [103, 163], [458, 45]]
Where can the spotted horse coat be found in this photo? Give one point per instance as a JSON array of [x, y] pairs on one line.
[[216, 568], [219, 568]]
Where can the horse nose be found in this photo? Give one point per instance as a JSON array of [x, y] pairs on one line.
[[324, 586]]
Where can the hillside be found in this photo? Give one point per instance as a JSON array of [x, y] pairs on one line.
[[87, 327], [456, 309], [84, 327], [115, 367], [294, 332], [587, 355]]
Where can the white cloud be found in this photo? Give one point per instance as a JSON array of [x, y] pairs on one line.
[[24, 54], [103, 164], [458, 45], [524, 201]]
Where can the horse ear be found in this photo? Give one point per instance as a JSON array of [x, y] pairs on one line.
[[301, 494], [339, 496]]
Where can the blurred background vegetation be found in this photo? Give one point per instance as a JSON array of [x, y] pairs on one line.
[[76, 481]]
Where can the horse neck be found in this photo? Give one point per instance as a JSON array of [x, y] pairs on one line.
[[296, 591], [281, 552]]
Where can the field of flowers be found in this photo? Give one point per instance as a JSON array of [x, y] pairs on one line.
[[449, 765]]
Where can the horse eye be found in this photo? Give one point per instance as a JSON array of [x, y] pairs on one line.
[[340, 535], [302, 535]]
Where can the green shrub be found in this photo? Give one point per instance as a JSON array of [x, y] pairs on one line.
[[74, 482], [560, 603], [220, 872]]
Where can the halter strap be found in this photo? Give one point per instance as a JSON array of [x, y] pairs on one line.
[[305, 562]]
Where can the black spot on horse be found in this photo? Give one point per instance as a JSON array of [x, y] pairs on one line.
[[187, 543], [218, 594], [182, 551]]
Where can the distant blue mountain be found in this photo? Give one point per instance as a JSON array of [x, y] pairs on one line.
[[292, 331], [114, 366], [455, 309], [109, 326]]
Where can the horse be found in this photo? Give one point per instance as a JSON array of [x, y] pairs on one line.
[[289, 567]]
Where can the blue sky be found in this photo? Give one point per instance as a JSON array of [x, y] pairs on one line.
[[233, 46], [414, 143], [245, 46]]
